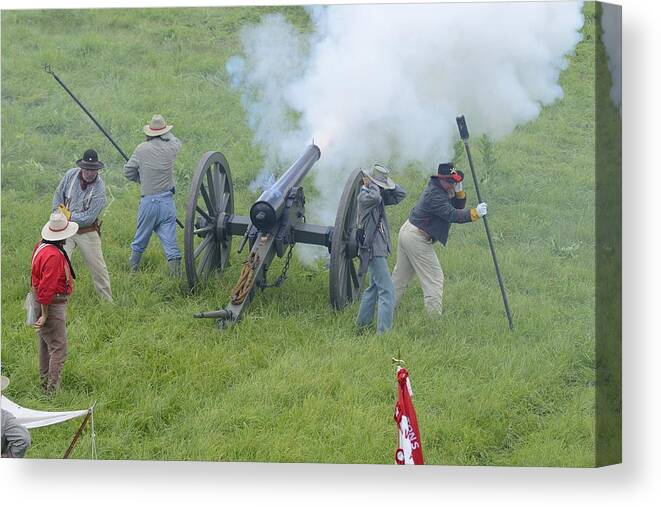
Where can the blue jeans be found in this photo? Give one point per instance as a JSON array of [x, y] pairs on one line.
[[381, 289], [157, 213]]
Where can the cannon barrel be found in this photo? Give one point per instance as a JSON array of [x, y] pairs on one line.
[[266, 211]]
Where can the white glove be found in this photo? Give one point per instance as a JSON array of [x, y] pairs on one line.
[[458, 187], [481, 209]]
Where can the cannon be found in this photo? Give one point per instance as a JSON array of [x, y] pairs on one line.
[[276, 222]]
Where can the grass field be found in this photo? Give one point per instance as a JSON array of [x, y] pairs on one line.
[[293, 382]]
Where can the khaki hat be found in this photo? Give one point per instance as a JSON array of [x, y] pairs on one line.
[[4, 382], [58, 228], [379, 175], [157, 126]]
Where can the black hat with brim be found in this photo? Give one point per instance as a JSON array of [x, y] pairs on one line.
[[445, 168], [90, 161]]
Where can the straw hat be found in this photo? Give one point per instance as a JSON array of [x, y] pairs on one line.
[[157, 126], [58, 228], [90, 161], [379, 175]]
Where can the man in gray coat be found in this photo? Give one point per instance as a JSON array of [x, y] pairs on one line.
[[81, 197], [152, 165], [378, 191]]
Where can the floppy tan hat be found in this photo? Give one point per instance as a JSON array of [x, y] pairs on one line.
[[379, 175], [157, 126], [58, 228]]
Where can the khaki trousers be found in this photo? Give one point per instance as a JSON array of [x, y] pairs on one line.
[[53, 346], [416, 256], [90, 248]]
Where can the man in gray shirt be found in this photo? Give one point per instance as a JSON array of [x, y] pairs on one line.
[[15, 437], [152, 166], [81, 197], [378, 190]]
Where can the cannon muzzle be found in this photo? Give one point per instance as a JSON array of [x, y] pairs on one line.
[[267, 210]]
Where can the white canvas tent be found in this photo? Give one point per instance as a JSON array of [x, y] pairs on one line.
[[38, 419]]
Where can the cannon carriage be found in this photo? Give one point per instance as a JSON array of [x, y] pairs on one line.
[[276, 222]]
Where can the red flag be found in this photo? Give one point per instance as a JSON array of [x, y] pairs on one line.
[[410, 446]]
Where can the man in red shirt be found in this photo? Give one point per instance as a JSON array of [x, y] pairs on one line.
[[52, 283]]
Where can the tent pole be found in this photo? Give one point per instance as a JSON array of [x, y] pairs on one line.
[[77, 435]]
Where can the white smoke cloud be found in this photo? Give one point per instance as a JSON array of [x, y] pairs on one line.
[[385, 82]]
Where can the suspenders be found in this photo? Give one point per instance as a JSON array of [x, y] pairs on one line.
[[67, 195], [67, 272], [39, 249]]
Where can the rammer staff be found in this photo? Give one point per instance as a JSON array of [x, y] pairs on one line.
[[463, 132], [48, 69]]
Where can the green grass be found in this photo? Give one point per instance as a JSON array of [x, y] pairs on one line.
[[293, 381]]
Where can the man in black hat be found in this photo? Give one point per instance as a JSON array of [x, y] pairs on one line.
[[81, 196], [442, 203]]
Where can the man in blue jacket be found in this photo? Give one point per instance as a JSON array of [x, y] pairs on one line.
[[378, 191], [441, 203]]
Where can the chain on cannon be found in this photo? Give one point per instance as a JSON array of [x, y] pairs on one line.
[[285, 270]]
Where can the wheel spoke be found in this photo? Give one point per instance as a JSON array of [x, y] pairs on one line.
[[224, 200], [348, 221], [207, 200], [342, 277], [222, 179], [354, 275], [204, 214], [205, 242], [211, 184], [200, 269], [215, 257], [218, 187], [203, 229], [223, 254], [205, 264]]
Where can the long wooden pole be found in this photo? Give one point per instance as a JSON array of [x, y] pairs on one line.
[[50, 71], [463, 132]]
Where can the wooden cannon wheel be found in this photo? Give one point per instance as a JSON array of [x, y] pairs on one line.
[[207, 242], [344, 282]]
